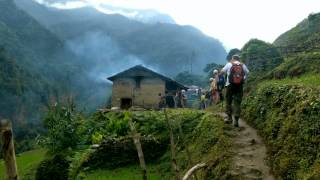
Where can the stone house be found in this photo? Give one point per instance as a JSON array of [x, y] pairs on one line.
[[140, 87]]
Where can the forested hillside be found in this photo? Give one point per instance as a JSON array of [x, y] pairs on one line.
[[30, 60], [37, 70], [169, 48]]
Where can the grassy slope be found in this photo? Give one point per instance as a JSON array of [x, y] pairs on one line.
[[308, 80], [286, 113], [27, 162]]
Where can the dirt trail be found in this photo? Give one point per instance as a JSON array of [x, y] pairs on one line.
[[249, 154]]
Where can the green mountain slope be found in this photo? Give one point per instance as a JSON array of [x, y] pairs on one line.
[[304, 37], [284, 104], [301, 47], [37, 70]]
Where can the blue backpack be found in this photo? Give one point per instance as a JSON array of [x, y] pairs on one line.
[[221, 82]]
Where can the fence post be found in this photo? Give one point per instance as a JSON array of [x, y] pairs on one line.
[[136, 140], [172, 146], [9, 155]]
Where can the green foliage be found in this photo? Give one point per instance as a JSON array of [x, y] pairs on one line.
[[54, 168], [97, 138], [287, 115], [209, 70], [210, 143], [232, 52], [76, 163], [188, 78], [304, 63], [260, 56], [64, 128]]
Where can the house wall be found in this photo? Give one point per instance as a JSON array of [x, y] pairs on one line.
[[146, 96]]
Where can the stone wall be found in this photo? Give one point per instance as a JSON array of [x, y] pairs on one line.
[[144, 96]]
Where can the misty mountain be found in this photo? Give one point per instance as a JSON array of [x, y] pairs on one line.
[[142, 15], [146, 16], [38, 68], [168, 48]]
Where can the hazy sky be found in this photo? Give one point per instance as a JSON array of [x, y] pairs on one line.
[[233, 22]]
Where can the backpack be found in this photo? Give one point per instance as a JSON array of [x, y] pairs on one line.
[[221, 82], [236, 76]]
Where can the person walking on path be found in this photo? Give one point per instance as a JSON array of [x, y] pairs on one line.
[[236, 75], [214, 87], [221, 84]]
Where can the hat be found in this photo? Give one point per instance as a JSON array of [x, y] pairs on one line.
[[215, 71], [236, 57], [211, 79]]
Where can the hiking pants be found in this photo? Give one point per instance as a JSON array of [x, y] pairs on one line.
[[234, 93]]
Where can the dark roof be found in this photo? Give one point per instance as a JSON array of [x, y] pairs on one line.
[[137, 71]]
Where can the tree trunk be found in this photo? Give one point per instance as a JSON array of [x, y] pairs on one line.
[[172, 146], [9, 155]]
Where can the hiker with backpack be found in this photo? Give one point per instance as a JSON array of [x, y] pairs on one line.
[[221, 83], [236, 75]]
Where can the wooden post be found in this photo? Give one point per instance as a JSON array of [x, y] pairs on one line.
[[137, 143], [172, 146], [9, 155]]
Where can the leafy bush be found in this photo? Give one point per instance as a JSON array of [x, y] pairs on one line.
[[55, 168], [287, 116], [260, 56], [304, 63], [64, 128], [114, 153]]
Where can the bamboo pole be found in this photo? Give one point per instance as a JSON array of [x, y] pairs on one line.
[[136, 139], [172, 146], [9, 155], [191, 171]]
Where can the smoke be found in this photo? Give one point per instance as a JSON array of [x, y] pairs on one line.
[[102, 58], [102, 55]]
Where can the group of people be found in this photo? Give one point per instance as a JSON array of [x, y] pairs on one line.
[[178, 100], [231, 78], [214, 95]]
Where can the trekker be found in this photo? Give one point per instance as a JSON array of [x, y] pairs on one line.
[[169, 100], [162, 101], [184, 98], [221, 83], [236, 75], [214, 87], [179, 99], [203, 101]]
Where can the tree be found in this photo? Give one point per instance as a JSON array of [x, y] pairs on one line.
[[188, 78], [210, 68], [260, 56], [232, 52]]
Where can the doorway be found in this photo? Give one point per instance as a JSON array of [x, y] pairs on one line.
[[126, 103]]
